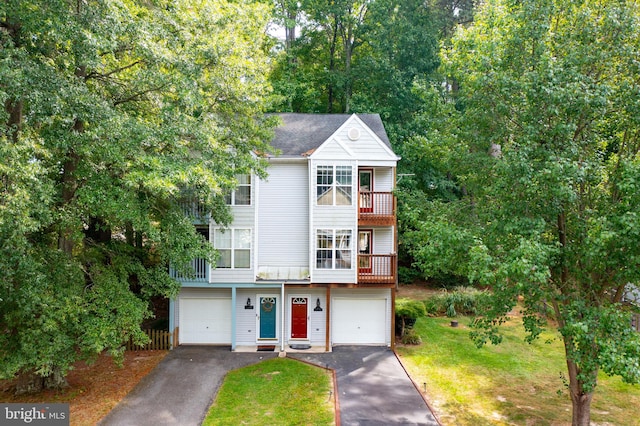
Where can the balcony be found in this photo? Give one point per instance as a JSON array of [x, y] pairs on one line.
[[376, 209], [197, 271], [377, 268]]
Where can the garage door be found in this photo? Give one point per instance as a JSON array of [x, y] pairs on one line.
[[358, 321], [205, 321]]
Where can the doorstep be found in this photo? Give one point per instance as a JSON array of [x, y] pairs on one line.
[[287, 348]]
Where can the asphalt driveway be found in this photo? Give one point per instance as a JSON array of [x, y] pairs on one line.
[[181, 388], [373, 388]]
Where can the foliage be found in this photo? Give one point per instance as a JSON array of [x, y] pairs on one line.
[[546, 154], [410, 337], [354, 56], [407, 312], [275, 391], [460, 300], [111, 109]]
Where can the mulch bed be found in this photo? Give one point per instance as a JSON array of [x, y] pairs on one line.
[[93, 389]]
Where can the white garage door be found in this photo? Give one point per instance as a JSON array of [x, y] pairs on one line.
[[205, 321], [358, 321]]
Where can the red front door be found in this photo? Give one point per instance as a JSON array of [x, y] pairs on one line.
[[299, 317]]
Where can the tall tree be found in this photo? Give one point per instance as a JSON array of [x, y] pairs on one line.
[[111, 109], [547, 147], [357, 56]]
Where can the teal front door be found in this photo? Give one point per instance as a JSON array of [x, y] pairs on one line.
[[268, 311]]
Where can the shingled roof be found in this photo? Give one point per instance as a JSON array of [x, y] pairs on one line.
[[300, 134]]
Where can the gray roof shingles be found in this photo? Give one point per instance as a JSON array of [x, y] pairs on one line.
[[301, 133]]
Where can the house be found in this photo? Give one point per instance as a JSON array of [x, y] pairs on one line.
[[310, 257]]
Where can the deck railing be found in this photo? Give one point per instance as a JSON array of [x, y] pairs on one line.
[[377, 268], [198, 272], [190, 207], [376, 205]]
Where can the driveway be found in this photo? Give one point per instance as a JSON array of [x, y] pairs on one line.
[[373, 388], [181, 388]]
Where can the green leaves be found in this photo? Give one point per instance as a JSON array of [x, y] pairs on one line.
[[552, 219], [110, 110]]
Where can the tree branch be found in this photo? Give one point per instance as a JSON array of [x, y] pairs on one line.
[[135, 96]]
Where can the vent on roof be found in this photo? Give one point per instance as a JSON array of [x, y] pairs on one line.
[[354, 133]]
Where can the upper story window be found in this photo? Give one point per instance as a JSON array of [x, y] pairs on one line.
[[241, 196], [333, 249], [234, 248], [334, 185]]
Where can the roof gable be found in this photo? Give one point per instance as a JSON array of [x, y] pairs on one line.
[[356, 139], [303, 134]]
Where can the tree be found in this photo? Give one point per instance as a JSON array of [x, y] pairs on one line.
[[355, 56], [545, 145], [111, 110]]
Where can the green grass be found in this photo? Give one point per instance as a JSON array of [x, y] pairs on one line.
[[278, 391], [511, 383]]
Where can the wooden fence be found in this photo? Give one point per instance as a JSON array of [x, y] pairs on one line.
[[635, 322], [160, 341]]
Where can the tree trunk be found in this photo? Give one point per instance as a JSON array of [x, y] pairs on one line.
[[580, 400], [29, 382], [69, 181], [332, 65], [14, 108], [581, 409]]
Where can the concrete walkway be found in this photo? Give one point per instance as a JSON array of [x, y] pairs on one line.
[[373, 388]]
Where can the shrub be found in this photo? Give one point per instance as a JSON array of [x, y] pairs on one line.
[[411, 337], [408, 275], [407, 312], [461, 300]]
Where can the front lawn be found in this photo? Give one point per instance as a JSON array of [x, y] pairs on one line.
[[278, 391], [512, 383]]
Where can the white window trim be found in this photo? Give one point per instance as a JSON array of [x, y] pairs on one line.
[[233, 193], [334, 249], [334, 185], [233, 248]]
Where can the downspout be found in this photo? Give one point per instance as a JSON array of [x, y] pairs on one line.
[[234, 314], [172, 321], [282, 318]]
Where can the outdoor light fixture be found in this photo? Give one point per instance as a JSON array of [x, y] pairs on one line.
[[318, 308], [248, 305]]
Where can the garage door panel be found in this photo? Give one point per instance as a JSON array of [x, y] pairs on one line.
[[358, 321], [205, 321]]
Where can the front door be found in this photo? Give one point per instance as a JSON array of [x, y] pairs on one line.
[[267, 318], [365, 182], [299, 317], [365, 242]]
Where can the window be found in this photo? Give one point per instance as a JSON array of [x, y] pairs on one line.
[[334, 185], [234, 248], [241, 196], [333, 249]]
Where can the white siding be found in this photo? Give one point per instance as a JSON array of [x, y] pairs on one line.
[[383, 239], [245, 318], [283, 222], [367, 147], [382, 179]]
